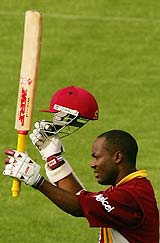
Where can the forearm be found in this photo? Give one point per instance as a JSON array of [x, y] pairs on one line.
[[70, 184], [65, 200]]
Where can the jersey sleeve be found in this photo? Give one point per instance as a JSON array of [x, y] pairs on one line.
[[110, 208]]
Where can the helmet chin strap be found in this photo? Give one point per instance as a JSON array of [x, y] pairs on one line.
[[63, 124]]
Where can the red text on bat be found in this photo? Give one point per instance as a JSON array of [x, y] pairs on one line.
[[23, 101]]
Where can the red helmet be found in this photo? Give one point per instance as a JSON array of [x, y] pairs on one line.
[[77, 99], [73, 107]]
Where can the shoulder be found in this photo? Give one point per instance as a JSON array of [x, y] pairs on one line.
[[137, 186]]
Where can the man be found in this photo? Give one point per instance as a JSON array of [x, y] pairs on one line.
[[126, 212]]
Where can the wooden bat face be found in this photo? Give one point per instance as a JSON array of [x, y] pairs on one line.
[[25, 104], [29, 70]]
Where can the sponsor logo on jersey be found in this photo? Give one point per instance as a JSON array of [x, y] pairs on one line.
[[104, 201]]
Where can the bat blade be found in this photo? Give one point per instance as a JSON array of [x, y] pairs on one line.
[[29, 69], [28, 81]]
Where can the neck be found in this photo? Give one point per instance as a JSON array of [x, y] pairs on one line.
[[124, 173]]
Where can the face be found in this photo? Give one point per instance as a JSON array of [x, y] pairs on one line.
[[103, 163]]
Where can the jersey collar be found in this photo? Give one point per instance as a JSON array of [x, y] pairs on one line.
[[136, 174]]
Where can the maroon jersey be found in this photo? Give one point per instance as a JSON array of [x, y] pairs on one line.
[[125, 213]]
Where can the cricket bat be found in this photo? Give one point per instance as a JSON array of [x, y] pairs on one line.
[[27, 83]]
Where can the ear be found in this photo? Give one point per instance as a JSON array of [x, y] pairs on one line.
[[118, 156]]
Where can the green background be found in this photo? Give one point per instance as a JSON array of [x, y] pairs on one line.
[[111, 48]]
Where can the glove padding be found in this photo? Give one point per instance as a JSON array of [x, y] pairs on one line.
[[19, 165], [47, 145]]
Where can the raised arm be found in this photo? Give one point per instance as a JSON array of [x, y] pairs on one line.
[[58, 170], [21, 166]]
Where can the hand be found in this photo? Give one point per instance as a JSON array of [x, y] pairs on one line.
[[47, 145], [21, 166], [50, 148]]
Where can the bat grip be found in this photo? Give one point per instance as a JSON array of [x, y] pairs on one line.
[[21, 147]]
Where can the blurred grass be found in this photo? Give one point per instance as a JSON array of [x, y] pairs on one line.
[[109, 48]]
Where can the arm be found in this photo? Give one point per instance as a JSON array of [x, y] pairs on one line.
[[65, 200], [21, 166], [58, 170], [69, 184]]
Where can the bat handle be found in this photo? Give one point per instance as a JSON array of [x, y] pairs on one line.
[[21, 147], [16, 188]]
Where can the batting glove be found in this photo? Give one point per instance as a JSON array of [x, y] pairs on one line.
[[50, 148], [21, 166], [47, 145]]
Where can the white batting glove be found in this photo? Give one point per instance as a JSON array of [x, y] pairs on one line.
[[21, 166], [50, 148], [47, 145]]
